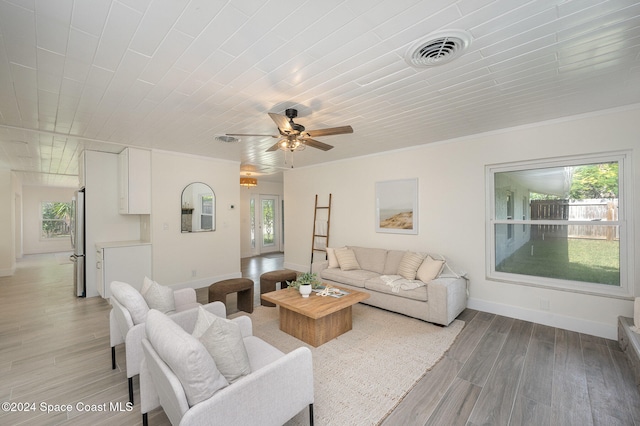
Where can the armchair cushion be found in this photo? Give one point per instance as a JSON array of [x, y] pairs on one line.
[[131, 299], [186, 356], [223, 340], [158, 296]]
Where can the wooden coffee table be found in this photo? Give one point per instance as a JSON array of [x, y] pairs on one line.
[[316, 319]]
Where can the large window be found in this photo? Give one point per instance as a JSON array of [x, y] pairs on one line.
[[570, 229], [54, 220]]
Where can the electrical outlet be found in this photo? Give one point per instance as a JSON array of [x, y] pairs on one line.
[[194, 273]]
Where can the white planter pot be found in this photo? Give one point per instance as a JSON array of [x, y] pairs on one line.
[[305, 290]]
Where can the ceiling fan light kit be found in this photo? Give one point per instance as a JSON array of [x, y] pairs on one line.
[[294, 136]]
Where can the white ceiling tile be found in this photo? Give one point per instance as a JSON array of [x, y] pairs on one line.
[[197, 15], [22, 54], [51, 34], [140, 5], [99, 78], [90, 15], [59, 10], [25, 82], [608, 22], [166, 56], [158, 19], [119, 28], [141, 78], [218, 30], [81, 46], [17, 24], [50, 62], [76, 70]]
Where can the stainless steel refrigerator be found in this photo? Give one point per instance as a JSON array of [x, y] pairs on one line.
[[78, 244]]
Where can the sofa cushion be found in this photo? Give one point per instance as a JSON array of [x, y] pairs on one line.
[[355, 278], [331, 258], [409, 265], [131, 299], [430, 269], [224, 343], [394, 257], [371, 259], [377, 284], [186, 356], [157, 296], [347, 259]]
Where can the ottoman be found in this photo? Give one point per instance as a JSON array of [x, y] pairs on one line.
[[243, 286], [268, 282]]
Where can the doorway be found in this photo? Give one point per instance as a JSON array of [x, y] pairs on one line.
[[268, 221]]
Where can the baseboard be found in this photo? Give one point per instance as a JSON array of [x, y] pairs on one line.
[[296, 267], [205, 282], [7, 272], [607, 331]]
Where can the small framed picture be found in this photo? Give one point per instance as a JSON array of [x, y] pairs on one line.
[[397, 206]]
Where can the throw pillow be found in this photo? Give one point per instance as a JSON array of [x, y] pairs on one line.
[[203, 322], [331, 257], [430, 269], [347, 259], [186, 357], [409, 265], [223, 340], [158, 296], [131, 299]]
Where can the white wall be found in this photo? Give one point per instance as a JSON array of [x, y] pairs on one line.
[[213, 256], [103, 222], [8, 191], [264, 188], [452, 209], [32, 197]]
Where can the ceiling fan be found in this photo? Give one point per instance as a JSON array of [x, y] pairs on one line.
[[294, 136]]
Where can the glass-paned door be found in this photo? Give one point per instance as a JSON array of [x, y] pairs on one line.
[[268, 227]]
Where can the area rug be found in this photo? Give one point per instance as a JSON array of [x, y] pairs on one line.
[[361, 376]]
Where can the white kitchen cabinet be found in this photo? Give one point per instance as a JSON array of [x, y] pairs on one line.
[[126, 261], [134, 181]]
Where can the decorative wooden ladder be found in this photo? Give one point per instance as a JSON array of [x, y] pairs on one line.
[[318, 232]]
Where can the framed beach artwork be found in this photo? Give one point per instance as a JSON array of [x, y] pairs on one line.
[[397, 206]]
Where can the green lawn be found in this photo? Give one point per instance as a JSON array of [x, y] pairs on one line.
[[594, 261]]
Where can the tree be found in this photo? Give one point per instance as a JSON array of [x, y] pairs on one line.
[[595, 181], [55, 219]]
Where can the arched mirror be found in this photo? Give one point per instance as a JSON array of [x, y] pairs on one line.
[[198, 208]]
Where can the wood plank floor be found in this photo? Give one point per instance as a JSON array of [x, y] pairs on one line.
[[54, 350]]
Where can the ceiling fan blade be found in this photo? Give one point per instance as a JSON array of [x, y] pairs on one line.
[[330, 131], [317, 144], [275, 147], [251, 134], [281, 121]]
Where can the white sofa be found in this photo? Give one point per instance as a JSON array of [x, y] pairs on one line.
[[127, 318], [177, 373], [439, 299]]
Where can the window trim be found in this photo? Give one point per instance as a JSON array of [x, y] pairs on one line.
[[626, 288]]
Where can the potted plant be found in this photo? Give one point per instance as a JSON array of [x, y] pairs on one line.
[[305, 283]]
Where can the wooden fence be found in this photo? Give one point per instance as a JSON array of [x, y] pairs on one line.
[[583, 210]]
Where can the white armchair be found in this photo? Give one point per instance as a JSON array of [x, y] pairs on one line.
[[278, 387], [127, 317]]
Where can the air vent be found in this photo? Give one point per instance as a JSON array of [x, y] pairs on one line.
[[437, 49], [227, 139]]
